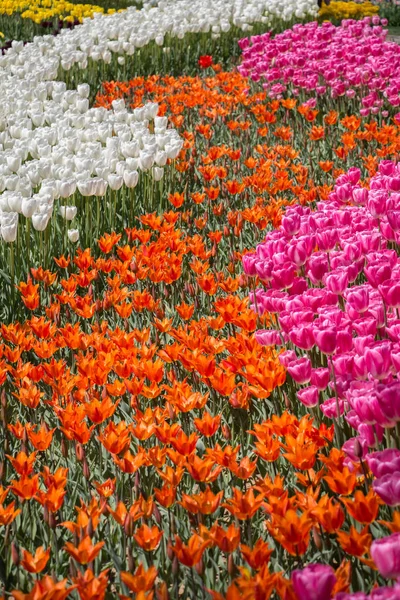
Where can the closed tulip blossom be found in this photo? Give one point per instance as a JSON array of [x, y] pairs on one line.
[[385, 553], [326, 340], [300, 370], [388, 488], [308, 396], [314, 582], [384, 462]]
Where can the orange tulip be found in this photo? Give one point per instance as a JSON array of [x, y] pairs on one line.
[[37, 562], [166, 495], [342, 481], [141, 580], [257, 556], [207, 425], [205, 503], [86, 552], [363, 508], [291, 531], [226, 540], [148, 538], [22, 463], [354, 542], [91, 587], [46, 589], [243, 505], [25, 487], [8, 514], [190, 554]]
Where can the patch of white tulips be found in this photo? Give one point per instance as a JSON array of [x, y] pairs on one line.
[[55, 145], [52, 144]]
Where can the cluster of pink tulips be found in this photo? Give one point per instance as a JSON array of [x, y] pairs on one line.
[[317, 581], [353, 60], [332, 286]]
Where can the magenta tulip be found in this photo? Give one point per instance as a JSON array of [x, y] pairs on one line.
[[388, 488], [308, 396], [315, 582], [384, 462], [385, 553], [326, 340], [300, 370]]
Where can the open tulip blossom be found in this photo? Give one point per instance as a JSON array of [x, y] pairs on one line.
[[200, 327]]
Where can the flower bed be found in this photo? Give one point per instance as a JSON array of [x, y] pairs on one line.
[[198, 353], [325, 63]]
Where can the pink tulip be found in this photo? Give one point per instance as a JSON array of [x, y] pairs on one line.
[[388, 488], [378, 360], [385, 553], [268, 337], [390, 291], [384, 462], [337, 282], [302, 337], [326, 340], [315, 582], [330, 408], [320, 378], [358, 298], [285, 358], [388, 397], [308, 396], [300, 370]]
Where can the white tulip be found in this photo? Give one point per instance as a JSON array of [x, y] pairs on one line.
[[158, 173], [28, 207], [146, 161], [83, 90], [115, 181], [9, 226], [40, 221], [131, 178], [86, 187], [15, 202], [73, 235], [68, 212], [100, 186]]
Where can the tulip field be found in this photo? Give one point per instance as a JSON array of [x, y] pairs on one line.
[[200, 296]]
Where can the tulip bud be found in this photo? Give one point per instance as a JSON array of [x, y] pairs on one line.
[[175, 567], [137, 483], [3, 398], [15, 553], [173, 525], [157, 515], [90, 528], [231, 566], [162, 592], [226, 432], [170, 552], [129, 526], [200, 566], [85, 469], [72, 569], [79, 451], [52, 521], [317, 538], [357, 449]]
